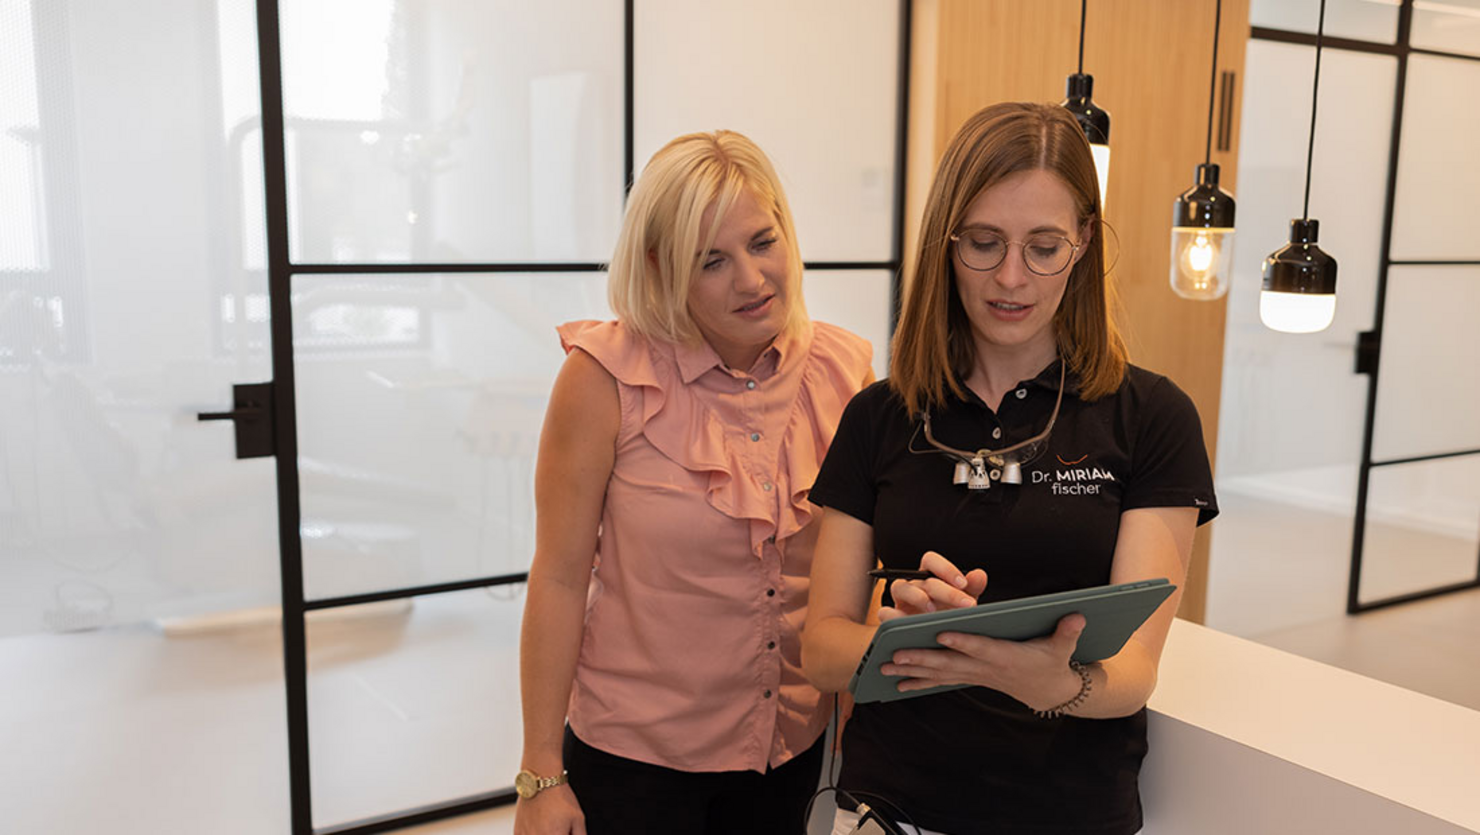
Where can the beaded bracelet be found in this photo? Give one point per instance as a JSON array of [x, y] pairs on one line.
[[1085, 685]]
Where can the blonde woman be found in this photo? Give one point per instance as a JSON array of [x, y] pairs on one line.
[[660, 655]]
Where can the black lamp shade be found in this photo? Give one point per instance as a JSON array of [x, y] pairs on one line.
[[1300, 266], [1092, 119], [1205, 204]]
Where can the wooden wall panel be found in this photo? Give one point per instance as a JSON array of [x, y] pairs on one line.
[[1151, 61]]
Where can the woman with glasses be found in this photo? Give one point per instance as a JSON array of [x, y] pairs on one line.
[[1013, 451], [660, 658]]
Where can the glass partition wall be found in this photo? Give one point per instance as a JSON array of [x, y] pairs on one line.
[[142, 667], [384, 207], [1367, 431]]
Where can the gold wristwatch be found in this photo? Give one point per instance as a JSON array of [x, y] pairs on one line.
[[528, 784]]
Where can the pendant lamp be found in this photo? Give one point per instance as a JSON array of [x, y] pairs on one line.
[[1092, 119], [1202, 218], [1299, 294]]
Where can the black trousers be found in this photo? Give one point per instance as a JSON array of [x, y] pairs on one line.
[[626, 797]]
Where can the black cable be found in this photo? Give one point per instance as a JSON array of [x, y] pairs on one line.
[[900, 815], [853, 797], [1213, 81], [837, 743], [1083, 8], [1310, 149]]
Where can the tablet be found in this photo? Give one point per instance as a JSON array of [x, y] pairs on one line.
[[1111, 614]]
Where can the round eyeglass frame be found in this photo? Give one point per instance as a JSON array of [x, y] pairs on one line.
[[1022, 253]]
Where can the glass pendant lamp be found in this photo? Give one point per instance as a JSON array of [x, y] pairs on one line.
[[1299, 294], [1202, 218], [1092, 119], [1202, 238]]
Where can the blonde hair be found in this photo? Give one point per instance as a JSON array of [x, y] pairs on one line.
[[933, 350], [659, 251]]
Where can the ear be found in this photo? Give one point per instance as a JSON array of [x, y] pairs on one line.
[[1086, 235]]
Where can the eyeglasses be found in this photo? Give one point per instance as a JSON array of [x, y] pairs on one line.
[[982, 250]]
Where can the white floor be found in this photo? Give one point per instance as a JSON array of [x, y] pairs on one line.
[[133, 730], [1279, 576]]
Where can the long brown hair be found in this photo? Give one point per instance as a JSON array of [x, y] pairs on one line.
[[933, 350]]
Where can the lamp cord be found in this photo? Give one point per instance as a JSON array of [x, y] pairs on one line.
[[1310, 149], [1213, 81], [1083, 8]]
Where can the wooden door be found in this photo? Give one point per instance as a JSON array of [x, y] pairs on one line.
[[1151, 61]]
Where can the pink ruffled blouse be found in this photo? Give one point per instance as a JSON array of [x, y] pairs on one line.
[[691, 657]]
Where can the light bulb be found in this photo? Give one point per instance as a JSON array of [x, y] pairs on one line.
[[1101, 155], [1202, 260], [1296, 312], [1198, 256]]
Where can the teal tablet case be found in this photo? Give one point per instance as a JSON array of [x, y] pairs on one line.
[[1112, 614]]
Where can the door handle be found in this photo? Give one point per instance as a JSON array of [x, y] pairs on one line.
[[252, 414]]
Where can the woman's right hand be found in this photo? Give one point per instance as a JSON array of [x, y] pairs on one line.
[[553, 811], [949, 588]]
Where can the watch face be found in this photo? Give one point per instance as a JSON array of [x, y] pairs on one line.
[[526, 784]]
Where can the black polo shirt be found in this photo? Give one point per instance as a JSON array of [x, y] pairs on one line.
[[975, 760]]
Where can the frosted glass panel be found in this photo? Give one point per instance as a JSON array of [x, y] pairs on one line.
[[412, 702], [125, 522], [1448, 26], [814, 84], [22, 246], [854, 299], [1428, 393], [1367, 20], [1433, 211], [1291, 404], [1423, 527], [455, 131], [420, 400], [116, 505]]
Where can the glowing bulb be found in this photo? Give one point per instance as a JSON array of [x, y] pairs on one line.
[[1296, 312], [1101, 155], [1200, 254], [1202, 259]]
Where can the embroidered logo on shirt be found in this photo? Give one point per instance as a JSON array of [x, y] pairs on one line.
[[1072, 479]]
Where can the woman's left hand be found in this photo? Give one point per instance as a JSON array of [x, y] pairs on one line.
[[1034, 672]]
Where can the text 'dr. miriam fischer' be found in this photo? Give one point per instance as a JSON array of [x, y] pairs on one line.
[[1074, 481]]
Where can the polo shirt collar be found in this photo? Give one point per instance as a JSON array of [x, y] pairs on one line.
[[1048, 379]]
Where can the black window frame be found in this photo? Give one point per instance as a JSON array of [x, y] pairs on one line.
[[281, 271], [1369, 344]]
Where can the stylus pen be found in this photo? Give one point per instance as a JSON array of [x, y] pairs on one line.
[[900, 574]]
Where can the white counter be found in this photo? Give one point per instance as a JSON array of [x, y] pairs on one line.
[[1249, 739]]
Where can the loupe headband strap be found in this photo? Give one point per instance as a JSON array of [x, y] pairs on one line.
[[987, 453]]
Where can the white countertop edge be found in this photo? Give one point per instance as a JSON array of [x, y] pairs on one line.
[[1410, 748]]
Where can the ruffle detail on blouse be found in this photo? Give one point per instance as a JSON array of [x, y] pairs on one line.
[[839, 366], [834, 366]]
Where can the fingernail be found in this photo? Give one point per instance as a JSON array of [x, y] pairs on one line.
[[960, 581], [946, 640]]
